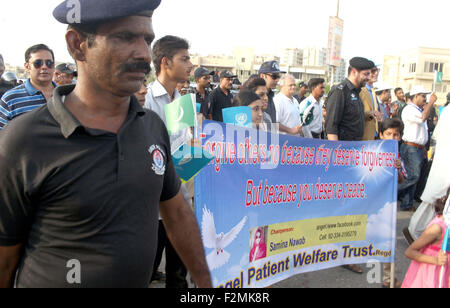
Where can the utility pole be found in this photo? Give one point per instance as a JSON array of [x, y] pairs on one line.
[[337, 12]]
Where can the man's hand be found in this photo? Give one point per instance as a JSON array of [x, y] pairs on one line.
[[433, 98], [9, 259], [184, 234], [295, 130]]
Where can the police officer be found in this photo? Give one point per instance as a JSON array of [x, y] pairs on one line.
[[271, 73], [345, 110], [203, 79], [81, 210]]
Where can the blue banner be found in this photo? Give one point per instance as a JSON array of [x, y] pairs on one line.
[[272, 206]]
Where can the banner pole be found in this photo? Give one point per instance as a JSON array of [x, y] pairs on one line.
[[392, 275]]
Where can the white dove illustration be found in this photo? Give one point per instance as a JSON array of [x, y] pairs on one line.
[[218, 257]]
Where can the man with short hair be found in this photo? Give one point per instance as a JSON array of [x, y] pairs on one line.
[[271, 73], [287, 107], [221, 97], [64, 74], [202, 91], [399, 104], [317, 88], [415, 139], [36, 91], [345, 109], [4, 86], [302, 90], [82, 177], [173, 67]]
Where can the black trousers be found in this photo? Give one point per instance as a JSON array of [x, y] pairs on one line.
[[175, 270], [316, 136]]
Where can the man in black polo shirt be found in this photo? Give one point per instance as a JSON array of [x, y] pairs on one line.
[[345, 109], [81, 178], [4, 86], [202, 91], [221, 96]]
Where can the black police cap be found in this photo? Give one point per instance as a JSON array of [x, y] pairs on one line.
[[96, 11], [361, 64]]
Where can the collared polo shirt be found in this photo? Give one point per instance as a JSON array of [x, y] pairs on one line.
[[4, 87], [288, 110], [345, 112], [68, 192], [18, 101], [220, 101], [204, 101], [416, 130]]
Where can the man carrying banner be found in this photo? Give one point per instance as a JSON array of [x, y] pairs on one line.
[[78, 195]]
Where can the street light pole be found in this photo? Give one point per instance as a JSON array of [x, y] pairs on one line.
[[338, 4]]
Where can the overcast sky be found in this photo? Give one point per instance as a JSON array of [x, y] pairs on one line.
[[371, 28]]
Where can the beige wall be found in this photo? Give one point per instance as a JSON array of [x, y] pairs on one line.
[[408, 69]]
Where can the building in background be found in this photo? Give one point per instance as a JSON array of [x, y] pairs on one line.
[[417, 67]]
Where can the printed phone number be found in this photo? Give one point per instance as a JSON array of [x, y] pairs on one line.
[[340, 235]]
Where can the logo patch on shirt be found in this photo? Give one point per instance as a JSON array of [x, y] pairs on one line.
[[159, 164]]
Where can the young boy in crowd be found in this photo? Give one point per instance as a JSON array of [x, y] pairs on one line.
[[392, 129]]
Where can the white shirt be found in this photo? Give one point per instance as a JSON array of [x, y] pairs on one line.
[[416, 131], [288, 111], [155, 100], [316, 125], [439, 178]]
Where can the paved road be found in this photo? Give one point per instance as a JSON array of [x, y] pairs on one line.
[[342, 278]]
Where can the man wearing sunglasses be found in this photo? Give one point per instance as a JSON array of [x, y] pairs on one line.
[[271, 73], [36, 91]]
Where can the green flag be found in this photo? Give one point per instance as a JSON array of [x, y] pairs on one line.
[[438, 77], [180, 114]]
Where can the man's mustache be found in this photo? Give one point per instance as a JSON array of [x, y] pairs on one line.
[[136, 67]]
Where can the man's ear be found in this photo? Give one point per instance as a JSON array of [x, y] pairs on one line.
[[165, 62], [76, 44]]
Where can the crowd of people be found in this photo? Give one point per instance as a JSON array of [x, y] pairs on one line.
[[59, 178]]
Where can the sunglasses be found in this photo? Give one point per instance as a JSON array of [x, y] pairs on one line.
[[39, 63], [274, 76]]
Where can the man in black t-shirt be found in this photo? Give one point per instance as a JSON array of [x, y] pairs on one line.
[[4, 86], [83, 177], [202, 91], [221, 97], [345, 109]]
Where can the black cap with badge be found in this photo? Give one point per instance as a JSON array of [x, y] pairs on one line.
[[66, 68], [227, 74], [361, 64], [97, 11], [201, 71], [270, 67]]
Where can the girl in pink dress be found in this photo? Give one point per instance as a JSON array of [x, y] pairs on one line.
[[427, 256]]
